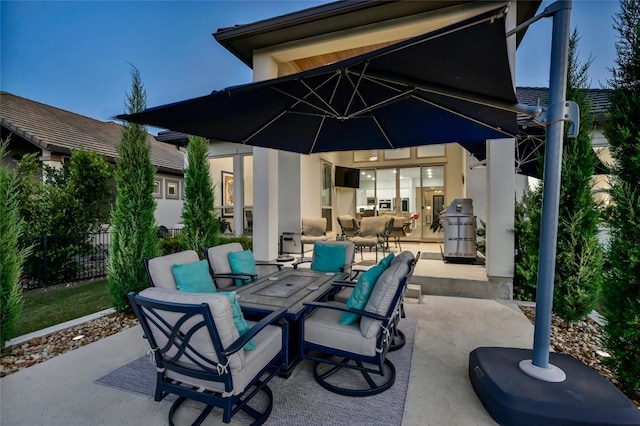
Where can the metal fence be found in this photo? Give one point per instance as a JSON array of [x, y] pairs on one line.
[[57, 259]]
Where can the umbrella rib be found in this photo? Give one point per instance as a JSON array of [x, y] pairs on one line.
[[497, 129], [330, 108], [301, 100], [288, 110], [383, 132], [391, 100], [355, 88], [531, 111], [264, 126], [315, 138]]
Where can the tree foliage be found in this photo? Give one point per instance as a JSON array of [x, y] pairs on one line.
[[134, 228], [12, 252], [621, 288], [528, 213], [201, 229], [64, 204]]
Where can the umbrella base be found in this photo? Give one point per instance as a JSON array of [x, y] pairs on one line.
[[514, 398]]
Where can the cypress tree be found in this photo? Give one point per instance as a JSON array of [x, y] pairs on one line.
[[621, 288], [133, 225], [201, 228], [12, 254], [579, 254]]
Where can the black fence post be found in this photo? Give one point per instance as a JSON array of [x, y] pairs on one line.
[[45, 271]]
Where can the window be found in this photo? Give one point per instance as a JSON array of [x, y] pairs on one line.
[[326, 184], [172, 189], [326, 194], [157, 188]]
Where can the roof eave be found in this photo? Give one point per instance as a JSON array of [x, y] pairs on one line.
[[242, 40]]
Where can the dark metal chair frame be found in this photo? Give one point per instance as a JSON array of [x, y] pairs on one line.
[[346, 230], [378, 364], [209, 370]]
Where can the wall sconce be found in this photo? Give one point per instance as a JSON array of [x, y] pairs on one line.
[[373, 155]]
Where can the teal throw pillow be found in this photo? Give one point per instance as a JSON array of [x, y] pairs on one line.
[[361, 292], [242, 262], [328, 257], [193, 277], [238, 317], [387, 260]]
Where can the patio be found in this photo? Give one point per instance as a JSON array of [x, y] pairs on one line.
[[62, 391]]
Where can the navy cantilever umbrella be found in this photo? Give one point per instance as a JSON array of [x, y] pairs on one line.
[[450, 85]]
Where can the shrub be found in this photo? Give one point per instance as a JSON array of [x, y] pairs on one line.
[[173, 244], [63, 206]]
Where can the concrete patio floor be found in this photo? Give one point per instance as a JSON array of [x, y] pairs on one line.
[[62, 391]]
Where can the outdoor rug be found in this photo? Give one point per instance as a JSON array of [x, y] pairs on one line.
[[299, 400]]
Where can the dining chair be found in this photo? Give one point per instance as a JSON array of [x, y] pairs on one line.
[[348, 225], [313, 229], [372, 230]]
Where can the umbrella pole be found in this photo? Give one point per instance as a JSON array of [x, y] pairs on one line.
[[539, 366]]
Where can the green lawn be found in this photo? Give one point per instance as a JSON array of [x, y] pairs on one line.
[[47, 307]]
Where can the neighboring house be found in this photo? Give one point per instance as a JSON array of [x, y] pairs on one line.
[[52, 133]]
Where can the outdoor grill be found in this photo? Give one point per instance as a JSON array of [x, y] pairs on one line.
[[459, 225]]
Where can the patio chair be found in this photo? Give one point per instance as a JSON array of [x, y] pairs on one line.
[[199, 353], [159, 269], [326, 259], [397, 231], [345, 290], [348, 225], [350, 359], [248, 214], [313, 229], [244, 270], [371, 234]]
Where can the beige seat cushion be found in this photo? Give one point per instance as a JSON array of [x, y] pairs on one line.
[[160, 268], [322, 328]]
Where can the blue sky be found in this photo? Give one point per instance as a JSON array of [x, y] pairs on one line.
[[76, 55]]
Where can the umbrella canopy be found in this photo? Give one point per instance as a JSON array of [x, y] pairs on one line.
[[450, 85]]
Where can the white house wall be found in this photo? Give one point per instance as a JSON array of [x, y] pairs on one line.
[[169, 211]]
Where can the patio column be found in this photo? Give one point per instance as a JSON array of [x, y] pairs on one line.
[[265, 204], [500, 212], [265, 180], [238, 195], [290, 203]]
